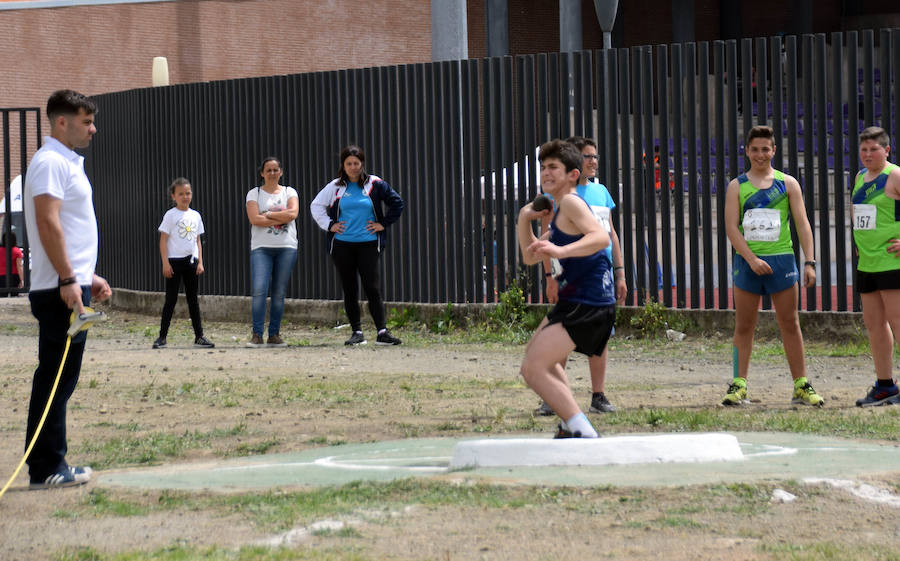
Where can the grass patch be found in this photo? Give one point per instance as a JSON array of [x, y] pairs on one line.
[[829, 551], [247, 553], [849, 423], [150, 448]]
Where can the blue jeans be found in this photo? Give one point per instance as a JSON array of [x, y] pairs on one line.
[[270, 268], [49, 453]]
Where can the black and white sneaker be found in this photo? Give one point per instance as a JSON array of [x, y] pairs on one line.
[[356, 339], [599, 404], [68, 477], [385, 338], [203, 343], [160, 343]]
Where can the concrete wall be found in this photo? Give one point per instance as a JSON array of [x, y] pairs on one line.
[[828, 326]]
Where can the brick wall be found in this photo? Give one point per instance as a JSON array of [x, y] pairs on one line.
[[106, 48]]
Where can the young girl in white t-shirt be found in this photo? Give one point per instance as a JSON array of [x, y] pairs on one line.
[[182, 260]]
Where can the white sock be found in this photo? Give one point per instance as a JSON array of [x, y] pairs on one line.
[[580, 423]]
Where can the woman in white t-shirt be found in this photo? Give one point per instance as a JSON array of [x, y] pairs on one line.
[[271, 210]]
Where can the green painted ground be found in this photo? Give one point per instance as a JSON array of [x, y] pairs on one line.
[[776, 456]]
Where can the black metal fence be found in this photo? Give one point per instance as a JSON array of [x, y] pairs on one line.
[[458, 141], [19, 125]]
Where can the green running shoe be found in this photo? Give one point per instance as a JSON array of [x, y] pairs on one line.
[[737, 393], [804, 394]]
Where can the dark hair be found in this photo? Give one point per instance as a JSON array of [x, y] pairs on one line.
[[12, 240], [346, 152], [176, 182], [265, 161], [761, 131], [877, 134], [580, 142], [68, 102], [565, 152]]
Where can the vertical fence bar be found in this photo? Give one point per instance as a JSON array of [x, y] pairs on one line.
[[822, 183], [868, 81], [417, 209], [665, 206], [472, 189], [652, 248], [884, 89], [734, 141], [490, 172], [894, 79], [611, 148], [840, 231], [507, 207], [693, 202], [721, 183], [577, 110], [777, 100], [678, 161], [526, 142], [603, 141], [810, 114], [748, 105], [587, 94], [7, 198], [705, 187], [638, 173], [853, 139], [626, 233], [553, 97]]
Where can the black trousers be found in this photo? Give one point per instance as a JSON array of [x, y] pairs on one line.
[[352, 259], [183, 270], [49, 453]]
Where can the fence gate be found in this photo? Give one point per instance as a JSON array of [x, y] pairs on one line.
[[19, 124]]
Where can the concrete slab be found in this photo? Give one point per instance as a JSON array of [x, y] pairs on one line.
[[617, 450], [767, 456]]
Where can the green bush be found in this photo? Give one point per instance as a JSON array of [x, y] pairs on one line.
[[653, 320], [402, 317]]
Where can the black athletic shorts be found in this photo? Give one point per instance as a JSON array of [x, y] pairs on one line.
[[870, 282], [588, 326]]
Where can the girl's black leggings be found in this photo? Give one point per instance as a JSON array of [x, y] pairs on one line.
[[184, 270], [359, 258]]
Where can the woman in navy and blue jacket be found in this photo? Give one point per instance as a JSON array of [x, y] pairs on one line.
[[355, 209]]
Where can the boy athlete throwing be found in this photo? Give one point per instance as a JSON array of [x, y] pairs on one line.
[[584, 315]]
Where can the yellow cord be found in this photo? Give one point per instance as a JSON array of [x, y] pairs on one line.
[[40, 425]]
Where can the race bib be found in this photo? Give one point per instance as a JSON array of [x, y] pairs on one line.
[[864, 217], [762, 225], [601, 213], [556, 269]]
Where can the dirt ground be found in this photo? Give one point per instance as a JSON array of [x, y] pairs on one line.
[[317, 392]]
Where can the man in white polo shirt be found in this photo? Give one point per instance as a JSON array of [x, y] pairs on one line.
[[59, 216]]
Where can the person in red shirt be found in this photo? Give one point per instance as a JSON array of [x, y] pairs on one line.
[[15, 278]]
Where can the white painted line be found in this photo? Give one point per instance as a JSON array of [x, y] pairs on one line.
[[336, 462], [861, 490], [619, 450]]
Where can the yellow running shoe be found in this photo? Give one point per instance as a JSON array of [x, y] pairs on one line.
[[737, 393], [804, 394]]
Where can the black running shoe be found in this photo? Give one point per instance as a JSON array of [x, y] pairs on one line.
[[160, 343], [599, 404], [880, 395], [356, 339], [385, 338], [203, 343]]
